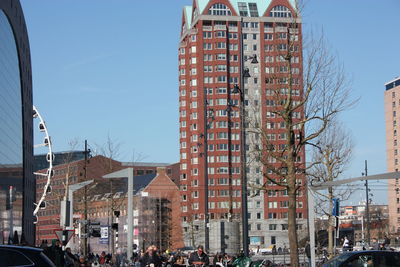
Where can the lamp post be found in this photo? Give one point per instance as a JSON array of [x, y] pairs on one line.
[[205, 155], [244, 73]]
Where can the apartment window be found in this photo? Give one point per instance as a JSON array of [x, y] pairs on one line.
[[280, 12], [220, 34], [254, 36], [219, 10], [233, 36], [273, 205], [258, 215], [273, 240], [258, 226], [207, 46], [243, 9], [253, 10], [207, 35], [220, 45], [221, 56], [272, 227]]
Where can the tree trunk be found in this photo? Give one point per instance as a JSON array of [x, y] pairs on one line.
[[330, 227], [293, 244]]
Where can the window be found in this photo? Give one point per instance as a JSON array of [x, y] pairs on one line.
[[273, 240], [272, 227], [243, 9], [219, 10], [280, 12], [253, 10]]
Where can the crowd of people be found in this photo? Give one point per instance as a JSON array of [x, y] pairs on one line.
[[151, 257]]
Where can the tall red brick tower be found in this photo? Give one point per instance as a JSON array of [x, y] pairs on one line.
[[214, 36]]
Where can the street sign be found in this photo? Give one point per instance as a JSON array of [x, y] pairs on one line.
[[64, 235], [103, 235]]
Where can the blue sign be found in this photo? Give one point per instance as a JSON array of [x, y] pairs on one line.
[[103, 235], [336, 207]]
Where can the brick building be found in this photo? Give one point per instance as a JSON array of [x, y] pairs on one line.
[[210, 50], [392, 108], [156, 213], [97, 193]]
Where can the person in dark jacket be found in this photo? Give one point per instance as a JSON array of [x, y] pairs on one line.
[[150, 258], [199, 258]]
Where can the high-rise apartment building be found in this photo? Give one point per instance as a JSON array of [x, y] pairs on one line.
[[392, 113], [220, 41]]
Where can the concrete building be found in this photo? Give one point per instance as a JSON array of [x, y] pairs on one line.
[[392, 113], [210, 66], [17, 183]]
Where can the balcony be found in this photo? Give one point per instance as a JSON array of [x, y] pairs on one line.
[[281, 29], [219, 27], [233, 29], [269, 30]]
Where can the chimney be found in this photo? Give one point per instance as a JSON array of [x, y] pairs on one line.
[[161, 171]]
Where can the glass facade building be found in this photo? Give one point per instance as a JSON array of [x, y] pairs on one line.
[[17, 184]]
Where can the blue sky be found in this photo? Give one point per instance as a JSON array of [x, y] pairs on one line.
[[110, 68]]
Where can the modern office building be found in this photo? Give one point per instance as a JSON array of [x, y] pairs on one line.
[[392, 113], [59, 158], [215, 36], [17, 183]]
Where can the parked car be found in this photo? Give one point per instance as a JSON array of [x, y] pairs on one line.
[[17, 256], [365, 258], [186, 250]]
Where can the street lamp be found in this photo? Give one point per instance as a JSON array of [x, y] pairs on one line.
[[244, 73], [208, 114]]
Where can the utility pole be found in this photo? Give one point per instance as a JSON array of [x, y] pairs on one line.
[[367, 205], [85, 240]]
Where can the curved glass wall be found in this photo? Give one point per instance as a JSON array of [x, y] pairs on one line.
[[11, 132]]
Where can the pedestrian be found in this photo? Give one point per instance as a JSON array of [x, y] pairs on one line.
[[199, 258], [307, 250], [70, 259], [346, 244], [150, 258], [375, 244], [179, 262], [102, 259], [83, 262], [59, 260]]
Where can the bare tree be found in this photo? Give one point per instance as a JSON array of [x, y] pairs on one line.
[[302, 101], [332, 152]]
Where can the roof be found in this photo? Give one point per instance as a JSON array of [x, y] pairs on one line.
[[145, 164], [188, 13], [121, 185], [262, 5]]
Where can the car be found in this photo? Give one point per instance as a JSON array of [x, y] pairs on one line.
[[365, 258], [19, 256], [186, 250]]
